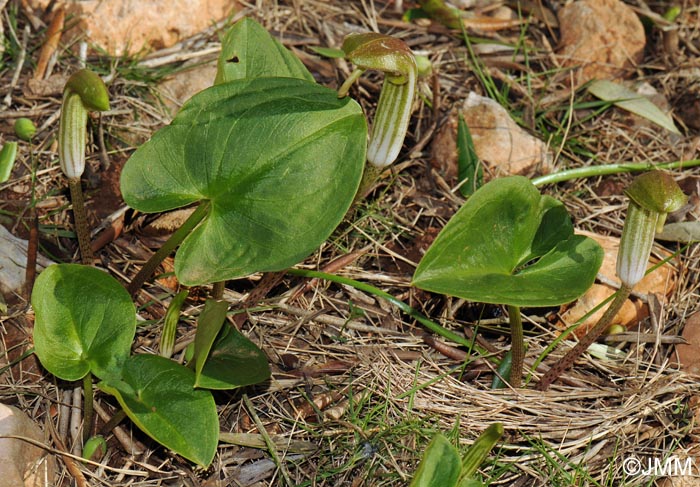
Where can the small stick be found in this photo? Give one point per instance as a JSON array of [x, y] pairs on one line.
[[7, 101], [268, 441], [53, 36], [75, 420]]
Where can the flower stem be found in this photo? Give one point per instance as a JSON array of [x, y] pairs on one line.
[[568, 360], [369, 177], [517, 346], [175, 239], [88, 410], [217, 290], [602, 170], [81, 224]]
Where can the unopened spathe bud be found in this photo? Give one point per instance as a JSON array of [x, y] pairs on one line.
[[652, 196], [393, 57]]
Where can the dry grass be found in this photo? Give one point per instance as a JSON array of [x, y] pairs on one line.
[[356, 393]]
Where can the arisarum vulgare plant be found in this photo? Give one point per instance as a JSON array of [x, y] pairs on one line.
[[84, 92], [510, 245], [653, 195], [394, 58]]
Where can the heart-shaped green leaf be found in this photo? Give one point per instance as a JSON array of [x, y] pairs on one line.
[[279, 159], [85, 321], [249, 51], [158, 395], [510, 245], [234, 361]]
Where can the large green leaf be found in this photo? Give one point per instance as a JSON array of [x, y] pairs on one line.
[[510, 245], [158, 395], [234, 361], [440, 466], [249, 51], [85, 321], [280, 159]]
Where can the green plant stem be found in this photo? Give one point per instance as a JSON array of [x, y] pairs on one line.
[[369, 177], [81, 224], [592, 171], [217, 290], [88, 410], [113, 422], [175, 239], [568, 360], [517, 346], [430, 325]]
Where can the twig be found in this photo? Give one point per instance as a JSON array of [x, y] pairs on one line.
[[75, 420], [268, 441], [130, 445], [7, 101], [53, 36]]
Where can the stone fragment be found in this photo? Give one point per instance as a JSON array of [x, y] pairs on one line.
[[132, 26], [500, 143], [13, 261], [21, 463], [603, 39], [180, 87], [661, 281], [689, 353]]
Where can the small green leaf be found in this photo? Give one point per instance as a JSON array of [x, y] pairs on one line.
[[468, 162], [504, 369], [632, 102], [172, 317], [440, 466], [85, 321], [249, 51], [280, 160], [480, 449], [328, 52], [234, 361], [158, 395], [510, 245], [8, 155], [208, 327]]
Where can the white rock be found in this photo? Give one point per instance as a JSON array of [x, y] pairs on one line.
[[131, 26], [13, 261], [500, 142], [21, 463]]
